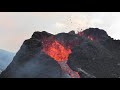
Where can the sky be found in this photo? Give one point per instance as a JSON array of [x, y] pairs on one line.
[[16, 27]]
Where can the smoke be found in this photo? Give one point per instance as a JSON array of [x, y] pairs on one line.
[[77, 21], [73, 22], [83, 20]]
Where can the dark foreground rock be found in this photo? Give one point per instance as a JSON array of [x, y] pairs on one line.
[[39, 66], [30, 62]]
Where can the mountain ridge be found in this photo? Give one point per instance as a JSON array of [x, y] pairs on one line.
[[5, 58]]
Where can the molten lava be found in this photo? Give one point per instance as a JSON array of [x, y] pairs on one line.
[[57, 51], [60, 53]]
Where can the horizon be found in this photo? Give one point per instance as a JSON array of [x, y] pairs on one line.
[[16, 27]]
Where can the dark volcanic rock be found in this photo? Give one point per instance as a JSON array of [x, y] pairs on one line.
[[30, 62], [41, 35], [72, 32], [38, 66], [97, 34], [94, 59], [69, 39]]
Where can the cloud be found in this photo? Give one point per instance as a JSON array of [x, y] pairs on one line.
[[60, 25], [6, 22], [15, 27]]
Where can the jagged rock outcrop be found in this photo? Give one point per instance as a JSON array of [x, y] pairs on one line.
[[72, 32]]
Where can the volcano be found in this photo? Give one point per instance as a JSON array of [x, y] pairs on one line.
[[87, 54]]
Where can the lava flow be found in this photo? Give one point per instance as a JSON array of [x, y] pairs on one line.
[[59, 53], [68, 70]]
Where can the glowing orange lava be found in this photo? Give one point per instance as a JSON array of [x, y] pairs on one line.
[[57, 51]]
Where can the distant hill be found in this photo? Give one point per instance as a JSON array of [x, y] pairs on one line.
[[5, 58]]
